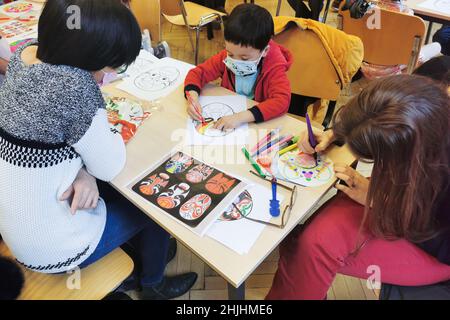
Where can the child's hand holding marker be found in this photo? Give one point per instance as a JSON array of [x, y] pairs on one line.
[[194, 109], [234, 121], [324, 139]]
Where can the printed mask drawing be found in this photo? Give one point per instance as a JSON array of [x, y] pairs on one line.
[[174, 196]]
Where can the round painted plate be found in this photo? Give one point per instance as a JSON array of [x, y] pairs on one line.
[[301, 168]]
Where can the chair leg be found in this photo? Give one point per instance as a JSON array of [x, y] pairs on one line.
[[329, 115], [278, 8], [325, 13], [197, 42], [190, 37]]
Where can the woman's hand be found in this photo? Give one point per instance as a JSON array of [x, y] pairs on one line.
[[357, 185], [324, 139], [234, 121], [194, 109], [83, 191]]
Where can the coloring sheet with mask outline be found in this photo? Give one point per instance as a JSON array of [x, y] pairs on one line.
[[213, 108], [157, 80], [300, 168], [144, 61], [190, 191]]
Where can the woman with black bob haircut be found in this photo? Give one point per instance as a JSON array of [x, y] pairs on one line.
[[89, 35], [55, 142]]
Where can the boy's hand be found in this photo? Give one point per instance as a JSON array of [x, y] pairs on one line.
[[234, 121], [194, 109], [83, 191], [324, 139], [357, 185]]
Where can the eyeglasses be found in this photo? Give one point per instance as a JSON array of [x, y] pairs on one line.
[[286, 212], [122, 69]]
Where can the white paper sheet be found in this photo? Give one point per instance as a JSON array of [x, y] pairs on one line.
[[144, 61], [436, 5], [240, 235], [215, 108], [158, 80]]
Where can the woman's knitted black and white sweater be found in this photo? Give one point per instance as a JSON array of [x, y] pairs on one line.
[[52, 122]]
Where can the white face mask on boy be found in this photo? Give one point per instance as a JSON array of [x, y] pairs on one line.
[[244, 68]]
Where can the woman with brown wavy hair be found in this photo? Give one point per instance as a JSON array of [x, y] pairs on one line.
[[398, 222]]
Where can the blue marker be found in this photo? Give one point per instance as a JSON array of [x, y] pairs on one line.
[[274, 203]]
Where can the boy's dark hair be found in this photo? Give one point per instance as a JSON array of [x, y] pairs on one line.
[[437, 68], [107, 35], [249, 25]]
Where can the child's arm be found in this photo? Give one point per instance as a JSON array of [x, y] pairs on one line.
[[210, 70], [276, 104], [278, 97]]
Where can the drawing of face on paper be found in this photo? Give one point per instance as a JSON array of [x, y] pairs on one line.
[[195, 207], [173, 197], [178, 163], [211, 113], [219, 184], [157, 79], [245, 205], [301, 168], [154, 184], [199, 173]]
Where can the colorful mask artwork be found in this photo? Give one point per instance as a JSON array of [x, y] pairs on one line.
[[157, 79], [195, 207], [173, 197], [199, 173], [219, 184], [301, 168], [245, 205], [125, 116], [179, 163], [154, 184], [211, 113], [19, 7], [189, 190]]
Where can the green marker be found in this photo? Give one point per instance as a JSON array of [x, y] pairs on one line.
[[254, 164]]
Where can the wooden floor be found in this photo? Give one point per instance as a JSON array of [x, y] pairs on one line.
[[209, 284]]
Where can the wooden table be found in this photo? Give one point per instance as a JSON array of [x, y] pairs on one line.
[[431, 15], [160, 133]]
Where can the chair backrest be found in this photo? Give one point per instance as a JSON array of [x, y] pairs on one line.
[[171, 7], [397, 40], [312, 73], [96, 280]]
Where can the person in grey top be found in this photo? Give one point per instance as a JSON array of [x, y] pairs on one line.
[[55, 141]]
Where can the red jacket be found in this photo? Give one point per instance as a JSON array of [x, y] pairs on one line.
[[272, 91]]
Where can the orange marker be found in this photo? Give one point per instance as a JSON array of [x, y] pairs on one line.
[[191, 101]]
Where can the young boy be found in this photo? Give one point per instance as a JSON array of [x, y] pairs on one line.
[[252, 65]]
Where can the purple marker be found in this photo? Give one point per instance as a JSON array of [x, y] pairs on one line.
[[312, 138]]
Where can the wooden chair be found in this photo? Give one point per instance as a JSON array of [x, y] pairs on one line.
[[97, 280], [191, 15], [397, 41], [325, 13], [312, 73]]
